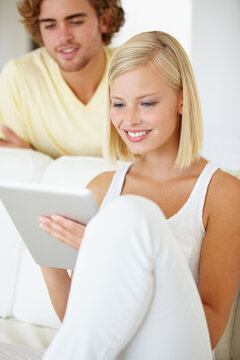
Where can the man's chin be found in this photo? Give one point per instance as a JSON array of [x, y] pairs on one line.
[[68, 67]]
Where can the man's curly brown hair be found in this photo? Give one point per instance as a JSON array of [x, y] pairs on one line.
[[30, 10]]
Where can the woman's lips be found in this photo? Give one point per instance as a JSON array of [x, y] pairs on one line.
[[137, 135]]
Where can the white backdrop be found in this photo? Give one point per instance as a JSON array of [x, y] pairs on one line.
[[171, 16], [13, 39], [209, 32], [216, 60]]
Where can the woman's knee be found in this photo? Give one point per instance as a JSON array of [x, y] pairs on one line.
[[130, 221], [131, 208]]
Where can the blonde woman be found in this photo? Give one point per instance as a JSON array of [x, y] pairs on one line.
[[158, 267]]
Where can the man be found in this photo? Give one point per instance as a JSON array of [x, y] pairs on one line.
[[54, 98]]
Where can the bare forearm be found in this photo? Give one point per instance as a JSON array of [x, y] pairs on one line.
[[11, 140], [58, 283]]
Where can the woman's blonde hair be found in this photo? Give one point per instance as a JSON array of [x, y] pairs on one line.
[[168, 57]]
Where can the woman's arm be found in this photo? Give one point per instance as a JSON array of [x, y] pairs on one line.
[[58, 284], [220, 257], [71, 233], [58, 281]]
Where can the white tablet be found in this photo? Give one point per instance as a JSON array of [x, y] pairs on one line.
[[26, 202]]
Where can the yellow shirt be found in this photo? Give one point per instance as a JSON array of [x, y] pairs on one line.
[[38, 105]]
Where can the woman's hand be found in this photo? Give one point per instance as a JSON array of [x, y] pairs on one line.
[[63, 229]]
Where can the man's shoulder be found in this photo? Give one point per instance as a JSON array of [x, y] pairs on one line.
[[110, 51], [33, 60]]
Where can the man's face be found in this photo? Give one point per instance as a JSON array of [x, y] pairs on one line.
[[71, 32]]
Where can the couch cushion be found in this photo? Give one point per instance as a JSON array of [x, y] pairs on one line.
[[32, 303], [19, 165], [22, 165], [76, 170], [10, 250], [13, 331]]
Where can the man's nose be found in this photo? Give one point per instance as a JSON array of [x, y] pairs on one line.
[[65, 33]]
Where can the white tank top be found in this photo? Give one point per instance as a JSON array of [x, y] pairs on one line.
[[187, 223]]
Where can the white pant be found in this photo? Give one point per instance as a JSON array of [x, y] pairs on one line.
[[133, 296]]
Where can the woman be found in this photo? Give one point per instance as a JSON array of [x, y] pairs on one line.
[[134, 293]]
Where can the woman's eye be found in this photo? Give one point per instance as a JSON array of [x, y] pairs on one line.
[[118, 105], [148, 103]]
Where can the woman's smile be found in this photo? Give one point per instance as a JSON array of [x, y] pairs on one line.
[[137, 135]]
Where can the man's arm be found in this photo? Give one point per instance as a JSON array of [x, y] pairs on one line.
[[13, 132], [12, 140]]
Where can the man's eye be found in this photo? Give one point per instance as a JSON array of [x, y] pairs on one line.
[[50, 26], [77, 22]]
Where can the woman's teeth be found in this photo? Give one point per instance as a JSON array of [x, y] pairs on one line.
[[138, 133]]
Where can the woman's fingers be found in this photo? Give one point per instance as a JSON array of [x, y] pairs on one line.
[[63, 229], [68, 224]]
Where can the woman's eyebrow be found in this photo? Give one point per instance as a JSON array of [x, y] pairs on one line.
[[146, 95], [115, 97]]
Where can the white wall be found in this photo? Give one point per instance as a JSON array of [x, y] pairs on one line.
[[216, 60], [172, 16], [13, 39]]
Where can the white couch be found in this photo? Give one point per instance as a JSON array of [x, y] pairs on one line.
[[26, 313]]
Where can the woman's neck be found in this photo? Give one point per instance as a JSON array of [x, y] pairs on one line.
[[162, 169]]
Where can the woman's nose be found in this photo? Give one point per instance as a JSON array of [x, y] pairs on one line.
[[133, 117]]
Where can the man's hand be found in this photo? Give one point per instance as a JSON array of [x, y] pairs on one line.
[[12, 140]]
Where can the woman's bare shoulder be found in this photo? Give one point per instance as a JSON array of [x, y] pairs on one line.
[[225, 181], [224, 190], [100, 185]]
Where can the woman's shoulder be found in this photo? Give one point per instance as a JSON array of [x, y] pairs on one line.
[[226, 181], [224, 191], [100, 185]]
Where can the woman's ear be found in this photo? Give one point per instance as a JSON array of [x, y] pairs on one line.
[[105, 21], [180, 103]]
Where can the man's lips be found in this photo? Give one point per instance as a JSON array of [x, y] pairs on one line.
[[67, 50]]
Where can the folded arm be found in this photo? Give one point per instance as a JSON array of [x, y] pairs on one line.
[[12, 140]]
